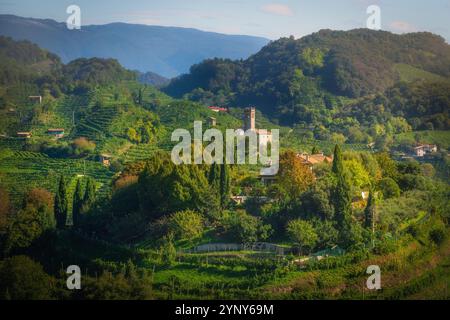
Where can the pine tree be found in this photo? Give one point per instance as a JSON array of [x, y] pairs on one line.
[[224, 185], [89, 195], [61, 204], [77, 204]]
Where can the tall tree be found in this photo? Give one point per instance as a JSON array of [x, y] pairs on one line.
[[77, 204], [61, 204], [338, 163], [4, 209], [369, 210], [140, 97], [303, 233], [341, 198], [34, 218], [294, 177], [89, 195], [164, 188], [225, 184], [214, 176]]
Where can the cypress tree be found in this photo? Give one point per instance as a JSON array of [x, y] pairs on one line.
[[342, 206], [77, 204], [369, 210], [341, 199], [61, 204], [140, 96], [214, 180], [89, 195], [224, 185], [214, 177], [338, 165]]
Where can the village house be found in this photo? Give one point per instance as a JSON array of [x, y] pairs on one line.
[[36, 98], [217, 109], [312, 159], [423, 149], [105, 159], [24, 134], [57, 133], [239, 199], [267, 179], [212, 122]]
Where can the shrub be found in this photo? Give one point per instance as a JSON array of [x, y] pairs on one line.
[[437, 235], [82, 146], [245, 228], [389, 188], [186, 224], [303, 233], [23, 279]]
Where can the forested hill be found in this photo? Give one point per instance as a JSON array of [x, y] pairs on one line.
[[168, 51], [24, 61], [288, 74]]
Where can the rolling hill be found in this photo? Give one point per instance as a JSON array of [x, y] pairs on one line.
[[303, 80]]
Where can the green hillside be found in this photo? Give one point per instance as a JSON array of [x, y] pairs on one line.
[[107, 195], [409, 73], [309, 80]]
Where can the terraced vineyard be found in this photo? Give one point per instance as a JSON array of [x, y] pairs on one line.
[[94, 126], [24, 170], [11, 143], [142, 152]]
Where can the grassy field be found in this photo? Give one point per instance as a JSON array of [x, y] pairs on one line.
[[409, 73]]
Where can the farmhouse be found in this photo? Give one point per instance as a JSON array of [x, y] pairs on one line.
[[423, 149], [267, 179], [239, 199], [24, 134], [57, 133], [36, 98], [313, 159], [105, 159], [212, 122], [217, 109]]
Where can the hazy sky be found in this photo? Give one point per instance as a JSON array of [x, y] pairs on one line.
[[271, 19]]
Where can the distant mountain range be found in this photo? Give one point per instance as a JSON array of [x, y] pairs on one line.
[[167, 51]]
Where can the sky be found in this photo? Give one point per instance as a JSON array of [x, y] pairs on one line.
[[267, 18]]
